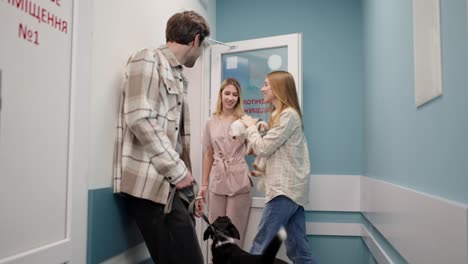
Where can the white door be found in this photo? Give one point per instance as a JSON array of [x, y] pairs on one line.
[[43, 192], [250, 61]]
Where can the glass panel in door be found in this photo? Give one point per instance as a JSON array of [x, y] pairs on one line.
[[250, 68]]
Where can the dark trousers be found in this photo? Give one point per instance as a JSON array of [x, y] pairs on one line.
[[170, 238]]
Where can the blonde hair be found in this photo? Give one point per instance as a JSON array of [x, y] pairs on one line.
[[284, 89], [239, 108]]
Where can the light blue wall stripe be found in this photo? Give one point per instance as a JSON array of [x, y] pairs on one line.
[[336, 249], [110, 231], [333, 217]]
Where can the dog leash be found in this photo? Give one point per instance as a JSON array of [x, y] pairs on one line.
[[191, 209], [203, 215], [183, 196], [213, 229]]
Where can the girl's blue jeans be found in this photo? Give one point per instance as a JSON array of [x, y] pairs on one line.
[[282, 211]]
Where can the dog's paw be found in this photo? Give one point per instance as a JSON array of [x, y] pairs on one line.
[[262, 127]]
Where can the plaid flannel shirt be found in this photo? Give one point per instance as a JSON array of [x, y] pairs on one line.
[[153, 136], [287, 157]]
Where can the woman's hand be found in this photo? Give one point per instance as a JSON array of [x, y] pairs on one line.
[[199, 206], [248, 121], [200, 201], [203, 190]]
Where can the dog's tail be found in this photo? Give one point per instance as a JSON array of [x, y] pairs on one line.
[[270, 252]]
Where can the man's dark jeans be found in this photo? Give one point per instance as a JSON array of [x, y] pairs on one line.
[[170, 238]]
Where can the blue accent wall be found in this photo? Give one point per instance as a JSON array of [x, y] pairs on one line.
[[110, 230], [337, 249], [333, 58], [422, 148]]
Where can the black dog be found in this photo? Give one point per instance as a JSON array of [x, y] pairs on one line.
[[225, 251]]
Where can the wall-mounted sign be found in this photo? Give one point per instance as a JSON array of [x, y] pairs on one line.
[[427, 51]]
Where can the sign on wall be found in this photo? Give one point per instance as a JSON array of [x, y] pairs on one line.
[[427, 50]]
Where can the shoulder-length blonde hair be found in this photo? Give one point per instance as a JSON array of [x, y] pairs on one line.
[[239, 108], [284, 88]]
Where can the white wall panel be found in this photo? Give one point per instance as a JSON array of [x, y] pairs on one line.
[[335, 193], [422, 228]]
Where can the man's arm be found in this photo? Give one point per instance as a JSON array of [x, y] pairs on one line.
[[140, 115]]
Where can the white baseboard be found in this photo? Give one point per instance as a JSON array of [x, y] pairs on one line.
[[334, 229], [323, 194], [338, 193]]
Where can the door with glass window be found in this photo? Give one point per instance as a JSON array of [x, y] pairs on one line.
[[250, 61]]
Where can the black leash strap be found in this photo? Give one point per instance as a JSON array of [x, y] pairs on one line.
[[205, 218], [191, 202], [215, 231]]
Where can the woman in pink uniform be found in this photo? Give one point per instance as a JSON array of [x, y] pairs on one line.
[[226, 176]]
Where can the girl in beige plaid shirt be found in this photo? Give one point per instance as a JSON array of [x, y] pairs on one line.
[[287, 168]]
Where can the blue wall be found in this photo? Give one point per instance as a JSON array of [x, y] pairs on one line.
[[110, 230], [336, 249], [422, 148], [347, 249], [332, 69]]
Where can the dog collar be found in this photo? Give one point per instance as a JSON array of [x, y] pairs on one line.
[[221, 243]]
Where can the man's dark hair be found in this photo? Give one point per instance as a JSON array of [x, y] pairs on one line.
[[183, 27]]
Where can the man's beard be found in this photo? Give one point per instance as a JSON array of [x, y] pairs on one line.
[[190, 62]]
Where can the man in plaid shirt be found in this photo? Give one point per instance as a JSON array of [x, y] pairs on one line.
[[152, 164]]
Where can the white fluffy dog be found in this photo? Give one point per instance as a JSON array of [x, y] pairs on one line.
[[238, 130]]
